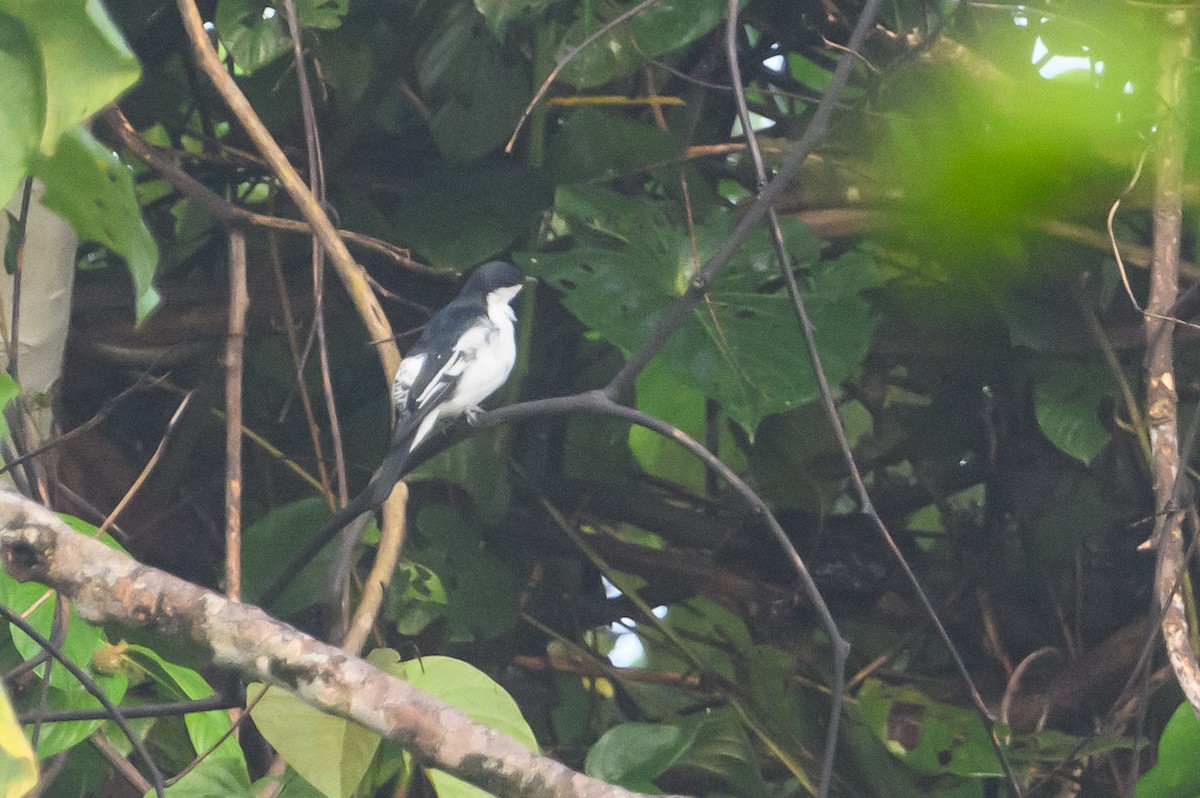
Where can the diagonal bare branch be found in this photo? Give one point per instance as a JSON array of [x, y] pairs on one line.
[[109, 587]]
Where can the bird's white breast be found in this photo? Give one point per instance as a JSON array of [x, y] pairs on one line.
[[491, 351]]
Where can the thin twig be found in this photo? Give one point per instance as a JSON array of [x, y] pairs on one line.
[[841, 652], [19, 236], [316, 183], [144, 474], [568, 58], [108, 407], [235, 346], [289, 326], [163, 710], [93, 689], [831, 412], [350, 272], [229, 214]]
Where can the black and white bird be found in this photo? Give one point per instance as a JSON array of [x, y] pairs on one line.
[[465, 354]]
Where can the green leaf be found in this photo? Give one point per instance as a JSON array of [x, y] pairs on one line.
[[292, 786], [460, 216], [82, 641], [721, 750], [9, 389], [270, 544], [481, 593], [499, 13], [419, 598], [663, 396], [213, 777], [871, 769], [930, 736], [475, 88], [88, 186], [593, 144], [205, 729], [31, 600], [633, 755], [465, 687], [84, 62], [330, 753], [713, 633], [252, 40], [256, 33], [1175, 775], [1066, 400], [18, 765], [659, 29], [324, 14], [23, 100], [631, 259], [796, 459]]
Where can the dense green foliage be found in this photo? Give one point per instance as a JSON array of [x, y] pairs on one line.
[[948, 238]]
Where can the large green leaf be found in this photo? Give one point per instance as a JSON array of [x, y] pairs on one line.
[[81, 641], [661, 28], [213, 777], [255, 32], [631, 259], [463, 686], [269, 545], [18, 765], [9, 389], [325, 14], [633, 755], [930, 736], [721, 750], [459, 216], [499, 13], [23, 99], [663, 396], [205, 729], [1066, 400], [62, 61], [88, 186], [467, 688], [1175, 775], [84, 61], [481, 593], [474, 87], [594, 144], [330, 753], [796, 459], [252, 37]]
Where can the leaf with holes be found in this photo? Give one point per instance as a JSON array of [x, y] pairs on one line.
[[657, 29], [630, 259]]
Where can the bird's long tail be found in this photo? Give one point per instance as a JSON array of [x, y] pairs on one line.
[[405, 439]]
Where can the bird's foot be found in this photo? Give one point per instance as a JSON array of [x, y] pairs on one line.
[[473, 413]]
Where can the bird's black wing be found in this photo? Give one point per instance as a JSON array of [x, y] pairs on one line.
[[435, 359]]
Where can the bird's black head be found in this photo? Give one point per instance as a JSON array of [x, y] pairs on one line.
[[491, 276]]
